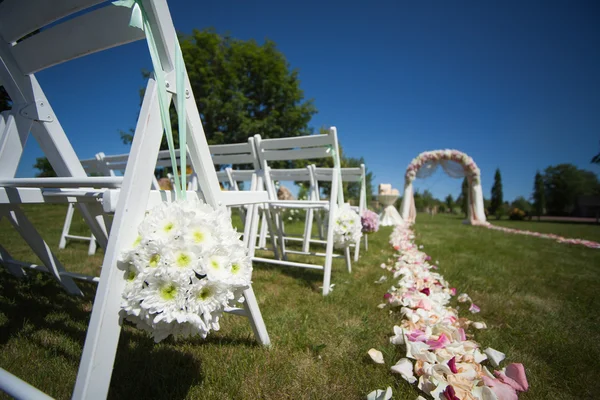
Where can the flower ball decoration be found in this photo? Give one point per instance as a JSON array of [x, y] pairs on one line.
[[347, 227], [187, 265], [369, 221]]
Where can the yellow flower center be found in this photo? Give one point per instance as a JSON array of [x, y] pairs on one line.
[[131, 276], [168, 292], [235, 268], [198, 236], [183, 260], [168, 227], [205, 293], [154, 260]]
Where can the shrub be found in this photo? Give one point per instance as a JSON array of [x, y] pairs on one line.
[[517, 214]]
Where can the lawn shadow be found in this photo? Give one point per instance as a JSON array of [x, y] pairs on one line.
[[145, 370], [306, 277], [36, 302]]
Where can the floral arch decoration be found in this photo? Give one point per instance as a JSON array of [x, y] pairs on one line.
[[457, 165]]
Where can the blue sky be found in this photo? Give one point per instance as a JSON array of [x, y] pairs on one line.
[[514, 84]]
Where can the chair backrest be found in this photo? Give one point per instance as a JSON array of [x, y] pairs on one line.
[[355, 174], [294, 148], [54, 44]]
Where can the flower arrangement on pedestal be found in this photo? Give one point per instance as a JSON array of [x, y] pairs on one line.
[[187, 265], [347, 228]]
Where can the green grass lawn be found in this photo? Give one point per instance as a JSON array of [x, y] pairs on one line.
[[537, 297]]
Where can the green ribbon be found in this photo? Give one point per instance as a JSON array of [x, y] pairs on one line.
[[139, 19]]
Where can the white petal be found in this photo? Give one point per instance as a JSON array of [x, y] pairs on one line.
[[479, 357], [379, 394], [376, 356], [495, 356], [405, 368], [398, 337], [479, 325]]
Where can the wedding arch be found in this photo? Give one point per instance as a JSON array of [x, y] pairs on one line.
[[457, 165]]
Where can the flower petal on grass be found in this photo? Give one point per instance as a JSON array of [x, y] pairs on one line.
[[376, 356], [494, 356], [405, 368], [380, 394]]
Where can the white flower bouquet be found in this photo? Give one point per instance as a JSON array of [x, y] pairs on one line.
[[186, 266], [347, 227]]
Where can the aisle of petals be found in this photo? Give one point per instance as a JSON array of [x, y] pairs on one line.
[[448, 363], [559, 239]]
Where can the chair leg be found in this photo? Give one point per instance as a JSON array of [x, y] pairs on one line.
[[262, 240], [356, 251], [269, 218], [66, 227], [328, 254], [308, 230], [366, 242], [256, 320], [92, 247], [5, 259], [279, 226], [347, 254], [41, 249]]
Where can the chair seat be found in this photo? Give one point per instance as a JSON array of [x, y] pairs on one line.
[[321, 204], [108, 182]]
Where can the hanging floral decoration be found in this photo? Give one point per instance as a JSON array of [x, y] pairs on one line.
[[186, 267], [369, 221], [188, 264], [347, 228]]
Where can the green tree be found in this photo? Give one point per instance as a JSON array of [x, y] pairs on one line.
[[243, 88], [539, 195], [464, 197], [522, 204], [449, 202], [497, 196], [43, 165], [596, 159], [564, 183]]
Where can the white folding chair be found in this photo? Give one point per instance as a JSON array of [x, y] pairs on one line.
[[127, 197], [356, 174], [91, 167], [302, 148], [297, 175], [101, 165]]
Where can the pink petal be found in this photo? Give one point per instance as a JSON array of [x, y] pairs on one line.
[[426, 291], [461, 332], [452, 365], [516, 372], [501, 390], [453, 291], [474, 309], [440, 343], [417, 336], [425, 305], [449, 393]]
